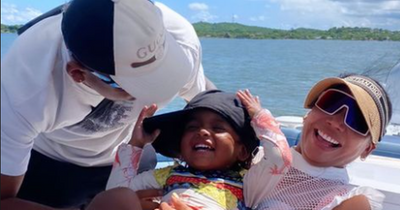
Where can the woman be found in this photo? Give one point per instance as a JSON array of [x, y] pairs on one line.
[[347, 118]]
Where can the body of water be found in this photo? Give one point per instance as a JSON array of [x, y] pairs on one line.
[[280, 71]]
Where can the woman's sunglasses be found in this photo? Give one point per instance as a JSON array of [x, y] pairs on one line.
[[333, 100]]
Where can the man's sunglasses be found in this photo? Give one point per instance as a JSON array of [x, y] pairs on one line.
[[107, 79], [333, 100]]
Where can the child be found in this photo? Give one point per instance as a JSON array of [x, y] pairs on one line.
[[213, 138]]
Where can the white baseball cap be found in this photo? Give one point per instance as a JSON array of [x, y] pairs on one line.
[[127, 40]]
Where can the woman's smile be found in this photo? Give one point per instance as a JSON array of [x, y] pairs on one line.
[[325, 142]]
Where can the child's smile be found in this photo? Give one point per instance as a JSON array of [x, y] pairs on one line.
[[210, 143], [202, 147]]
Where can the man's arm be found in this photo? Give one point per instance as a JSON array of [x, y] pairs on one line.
[[210, 85], [9, 188], [15, 203], [357, 202]]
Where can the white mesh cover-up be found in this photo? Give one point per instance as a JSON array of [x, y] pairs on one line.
[[307, 187]]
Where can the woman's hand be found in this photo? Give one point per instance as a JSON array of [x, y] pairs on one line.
[[250, 102], [139, 136]]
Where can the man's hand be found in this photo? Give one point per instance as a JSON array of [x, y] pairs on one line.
[[139, 136], [176, 204], [125, 198], [149, 198]]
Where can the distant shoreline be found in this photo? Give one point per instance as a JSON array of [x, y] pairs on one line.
[[239, 31], [9, 29], [205, 37]]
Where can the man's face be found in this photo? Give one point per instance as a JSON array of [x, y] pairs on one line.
[[81, 75], [105, 89]]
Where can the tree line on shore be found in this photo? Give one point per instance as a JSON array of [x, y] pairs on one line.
[[9, 29], [239, 31], [235, 30]]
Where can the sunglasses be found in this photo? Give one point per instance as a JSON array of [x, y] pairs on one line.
[[333, 100], [107, 79]]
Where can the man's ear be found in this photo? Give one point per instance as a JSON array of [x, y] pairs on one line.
[[76, 71]]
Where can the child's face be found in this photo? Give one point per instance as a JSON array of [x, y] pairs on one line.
[[210, 143]]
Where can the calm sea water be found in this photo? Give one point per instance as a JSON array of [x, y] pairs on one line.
[[280, 71]]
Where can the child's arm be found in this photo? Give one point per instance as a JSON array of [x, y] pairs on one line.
[[273, 158], [128, 156]]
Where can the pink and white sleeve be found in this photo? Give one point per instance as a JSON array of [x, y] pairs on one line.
[[270, 163], [125, 170]]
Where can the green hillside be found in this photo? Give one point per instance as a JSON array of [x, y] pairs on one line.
[[235, 30], [239, 31], [9, 29]]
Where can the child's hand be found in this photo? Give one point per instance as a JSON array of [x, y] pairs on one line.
[[252, 103], [139, 136]]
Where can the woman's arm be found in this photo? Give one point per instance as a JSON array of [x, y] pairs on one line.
[[358, 202]]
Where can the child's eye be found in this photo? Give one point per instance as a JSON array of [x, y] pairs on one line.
[[219, 128], [191, 127]]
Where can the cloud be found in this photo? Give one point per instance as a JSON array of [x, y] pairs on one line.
[[258, 18], [352, 13], [202, 12], [387, 8], [11, 14], [198, 6]]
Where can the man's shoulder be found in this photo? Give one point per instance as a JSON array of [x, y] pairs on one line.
[[179, 27], [46, 32], [171, 15]]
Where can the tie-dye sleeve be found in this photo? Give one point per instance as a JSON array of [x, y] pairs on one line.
[[125, 170], [270, 163]]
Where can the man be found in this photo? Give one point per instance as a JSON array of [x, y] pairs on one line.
[[72, 87]]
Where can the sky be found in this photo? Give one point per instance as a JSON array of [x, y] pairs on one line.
[[277, 14]]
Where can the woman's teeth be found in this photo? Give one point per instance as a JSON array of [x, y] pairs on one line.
[[327, 138]]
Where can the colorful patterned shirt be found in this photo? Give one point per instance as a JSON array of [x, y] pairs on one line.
[[203, 190]]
